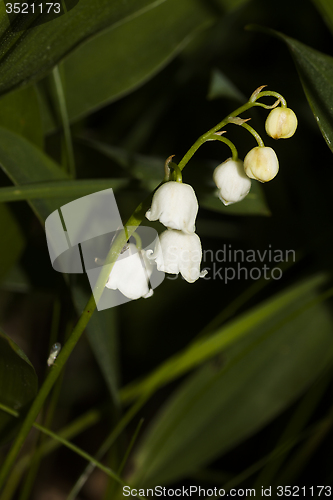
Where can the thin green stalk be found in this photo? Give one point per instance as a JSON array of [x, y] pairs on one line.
[[69, 445], [111, 491], [254, 133], [47, 421], [133, 410], [69, 432], [65, 121], [228, 143]]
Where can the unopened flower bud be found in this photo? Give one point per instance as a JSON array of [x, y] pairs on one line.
[[175, 205], [232, 182], [261, 163], [281, 123]]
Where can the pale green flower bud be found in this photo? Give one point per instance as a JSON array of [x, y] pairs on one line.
[[261, 163], [232, 182], [175, 205], [281, 123]]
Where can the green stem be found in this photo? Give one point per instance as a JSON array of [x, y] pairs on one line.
[[254, 133], [210, 134], [177, 172], [228, 143], [269, 93], [65, 120]]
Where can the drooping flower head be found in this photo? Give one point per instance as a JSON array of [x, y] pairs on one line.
[[177, 252], [261, 163], [175, 205], [131, 273], [232, 181]]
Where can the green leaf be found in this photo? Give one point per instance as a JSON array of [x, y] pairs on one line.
[[12, 241], [59, 189], [28, 54], [23, 163], [316, 73], [325, 7], [120, 59], [230, 399], [19, 112], [18, 384], [221, 86]]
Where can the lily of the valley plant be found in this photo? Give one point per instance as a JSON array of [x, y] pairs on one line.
[[175, 205]]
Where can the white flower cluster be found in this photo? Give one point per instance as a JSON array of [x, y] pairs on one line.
[[178, 249], [233, 177], [174, 204]]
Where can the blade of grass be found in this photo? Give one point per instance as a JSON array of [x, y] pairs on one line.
[[70, 431], [110, 492], [57, 189], [115, 433], [64, 121], [109, 472]]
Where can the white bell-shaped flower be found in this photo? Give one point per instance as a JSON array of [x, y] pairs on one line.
[[175, 205], [232, 181], [131, 273], [261, 163], [177, 252], [281, 123]]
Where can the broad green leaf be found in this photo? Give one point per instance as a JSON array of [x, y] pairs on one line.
[[120, 59], [316, 73], [23, 163], [28, 54], [325, 7], [230, 399], [59, 189], [207, 347], [19, 112], [18, 384], [12, 241], [102, 335], [221, 86]]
